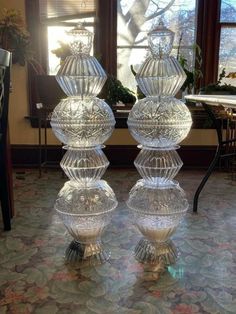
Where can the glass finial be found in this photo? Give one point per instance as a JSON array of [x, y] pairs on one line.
[[81, 39], [160, 40]]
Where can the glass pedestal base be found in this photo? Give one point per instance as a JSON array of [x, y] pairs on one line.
[[157, 254], [86, 253]]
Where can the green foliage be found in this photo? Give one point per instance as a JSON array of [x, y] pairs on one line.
[[14, 37], [192, 74], [218, 87], [113, 91], [63, 51], [140, 94], [116, 92]]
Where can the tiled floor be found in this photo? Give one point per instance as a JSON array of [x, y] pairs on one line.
[[34, 278]]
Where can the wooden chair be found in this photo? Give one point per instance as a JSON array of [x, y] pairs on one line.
[[5, 176]]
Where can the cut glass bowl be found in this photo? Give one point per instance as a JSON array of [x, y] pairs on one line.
[[81, 75], [160, 40], [82, 123], [158, 166], [84, 165], [85, 210], [160, 77], [157, 210], [81, 39], [159, 121]]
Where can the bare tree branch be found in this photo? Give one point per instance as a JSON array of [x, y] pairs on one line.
[[119, 10], [138, 8], [154, 2], [160, 12]]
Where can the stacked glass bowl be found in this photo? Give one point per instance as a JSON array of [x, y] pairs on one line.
[[83, 123], [159, 122]]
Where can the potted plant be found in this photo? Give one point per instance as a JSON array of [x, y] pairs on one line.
[[14, 37], [62, 52], [192, 74], [218, 88], [113, 90]]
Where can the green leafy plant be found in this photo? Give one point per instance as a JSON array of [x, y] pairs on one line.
[[14, 37], [140, 94], [114, 92], [63, 51], [192, 74], [218, 87]]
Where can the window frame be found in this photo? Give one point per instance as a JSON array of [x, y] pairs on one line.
[[105, 40], [222, 25]]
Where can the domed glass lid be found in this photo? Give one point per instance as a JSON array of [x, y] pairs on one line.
[[81, 40], [160, 40]]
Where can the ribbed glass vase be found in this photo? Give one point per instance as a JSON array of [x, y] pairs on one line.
[[159, 122], [83, 122]]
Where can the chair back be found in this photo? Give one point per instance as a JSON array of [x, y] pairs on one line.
[[5, 57]]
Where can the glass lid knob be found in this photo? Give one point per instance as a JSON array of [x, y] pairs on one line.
[[81, 39], [160, 40]]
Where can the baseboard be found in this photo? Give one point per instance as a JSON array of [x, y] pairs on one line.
[[118, 155]]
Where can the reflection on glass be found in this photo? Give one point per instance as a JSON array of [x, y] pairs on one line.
[[135, 18], [228, 11], [227, 53], [158, 122], [83, 122], [57, 34]]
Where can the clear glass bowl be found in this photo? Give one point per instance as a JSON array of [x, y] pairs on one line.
[[160, 40], [81, 39], [158, 166], [81, 75], [84, 165], [157, 210], [159, 121], [160, 77], [82, 123], [85, 209]]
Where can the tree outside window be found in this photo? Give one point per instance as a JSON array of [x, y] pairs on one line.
[[227, 51], [136, 18]]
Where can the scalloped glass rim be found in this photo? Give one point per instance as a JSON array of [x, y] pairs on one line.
[[152, 120], [89, 214], [167, 185], [85, 186], [174, 147], [67, 147]]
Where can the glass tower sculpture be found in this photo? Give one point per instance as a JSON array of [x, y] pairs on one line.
[[159, 122], [83, 123]]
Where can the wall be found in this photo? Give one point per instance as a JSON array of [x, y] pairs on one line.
[[20, 128]]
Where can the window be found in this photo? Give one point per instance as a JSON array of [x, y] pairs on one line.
[[59, 16], [136, 18], [118, 45], [227, 50]]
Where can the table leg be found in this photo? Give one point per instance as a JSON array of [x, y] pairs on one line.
[[40, 144], [218, 129]]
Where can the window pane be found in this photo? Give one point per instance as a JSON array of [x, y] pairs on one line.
[[57, 37], [55, 8], [56, 34], [228, 11], [227, 54], [136, 18], [136, 57]]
